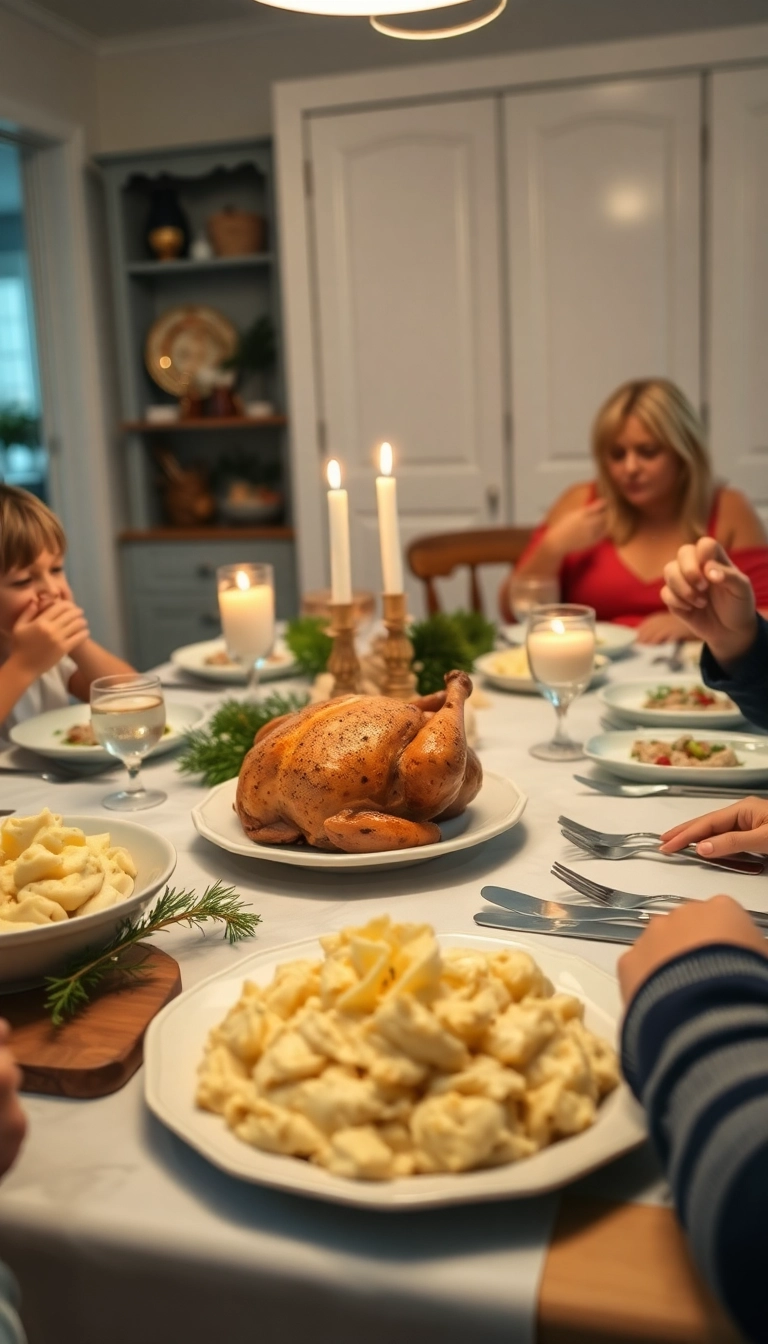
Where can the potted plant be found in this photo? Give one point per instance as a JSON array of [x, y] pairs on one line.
[[254, 358]]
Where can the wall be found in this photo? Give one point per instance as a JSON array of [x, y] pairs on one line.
[[201, 88], [47, 72]]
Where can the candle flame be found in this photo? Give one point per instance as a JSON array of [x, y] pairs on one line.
[[242, 580], [385, 459], [558, 627], [334, 474]]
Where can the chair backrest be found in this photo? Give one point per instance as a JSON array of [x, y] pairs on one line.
[[436, 557]]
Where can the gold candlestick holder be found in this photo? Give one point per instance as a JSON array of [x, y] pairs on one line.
[[343, 663], [399, 681]]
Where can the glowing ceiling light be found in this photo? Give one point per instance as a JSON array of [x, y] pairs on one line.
[[465, 25], [359, 8]]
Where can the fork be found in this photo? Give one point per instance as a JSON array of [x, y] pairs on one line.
[[606, 837], [606, 845], [674, 660], [628, 900]]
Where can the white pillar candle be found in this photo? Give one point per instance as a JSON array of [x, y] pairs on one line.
[[389, 527], [248, 618], [559, 656], [338, 521]]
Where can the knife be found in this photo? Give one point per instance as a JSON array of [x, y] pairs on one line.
[[598, 930], [618, 789], [520, 902]]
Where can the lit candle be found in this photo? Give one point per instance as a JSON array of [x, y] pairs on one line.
[[247, 610], [338, 521], [389, 527], [559, 656]]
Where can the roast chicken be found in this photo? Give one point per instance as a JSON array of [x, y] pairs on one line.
[[361, 773]]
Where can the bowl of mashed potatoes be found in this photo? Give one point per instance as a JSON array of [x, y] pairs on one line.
[[66, 883]]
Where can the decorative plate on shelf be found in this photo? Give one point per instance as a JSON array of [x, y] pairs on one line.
[[185, 340]]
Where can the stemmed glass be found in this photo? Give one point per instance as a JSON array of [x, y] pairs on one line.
[[128, 718], [561, 652], [247, 609], [525, 594]]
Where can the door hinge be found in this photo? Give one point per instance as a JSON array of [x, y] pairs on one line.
[[309, 185]]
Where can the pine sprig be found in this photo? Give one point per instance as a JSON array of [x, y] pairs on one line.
[[67, 993], [218, 750]]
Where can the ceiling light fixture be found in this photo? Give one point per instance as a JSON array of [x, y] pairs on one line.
[[359, 8], [480, 14], [416, 34]]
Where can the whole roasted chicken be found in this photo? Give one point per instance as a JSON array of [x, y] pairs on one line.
[[361, 773]]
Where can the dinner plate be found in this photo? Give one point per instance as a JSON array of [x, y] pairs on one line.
[[191, 658], [173, 1048], [185, 340], [44, 733], [498, 806], [626, 700], [612, 640], [525, 685], [612, 750]]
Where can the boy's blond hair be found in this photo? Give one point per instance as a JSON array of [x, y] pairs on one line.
[[27, 527]]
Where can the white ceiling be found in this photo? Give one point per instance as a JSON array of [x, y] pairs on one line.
[[526, 23]]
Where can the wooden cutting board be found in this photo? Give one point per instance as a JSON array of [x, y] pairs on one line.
[[102, 1046]]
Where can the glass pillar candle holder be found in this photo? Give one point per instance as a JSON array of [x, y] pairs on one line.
[[561, 652], [247, 609]]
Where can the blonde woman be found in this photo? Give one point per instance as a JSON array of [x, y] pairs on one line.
[[608, 541]]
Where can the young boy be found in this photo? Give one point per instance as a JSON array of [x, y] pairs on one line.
[[46, 653]]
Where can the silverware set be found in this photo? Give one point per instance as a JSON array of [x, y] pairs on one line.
[[609, 845]]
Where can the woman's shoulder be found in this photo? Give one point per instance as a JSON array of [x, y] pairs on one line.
[[737, 526], [575, 497]]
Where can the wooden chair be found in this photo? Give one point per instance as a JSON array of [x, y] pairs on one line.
[[438, 556]]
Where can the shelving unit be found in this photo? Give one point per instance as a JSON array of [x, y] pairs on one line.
[[170, 594]]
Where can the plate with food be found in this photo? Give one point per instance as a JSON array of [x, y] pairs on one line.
[[735, 759], [210, 660], [508, 670], [671, 700], [610, 640], [67, 883], [66, 735], [497, 808], [409, 1097]]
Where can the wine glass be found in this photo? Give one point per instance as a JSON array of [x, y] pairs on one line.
[[128, 718], [247, 609], [561, 653], [525, 594]]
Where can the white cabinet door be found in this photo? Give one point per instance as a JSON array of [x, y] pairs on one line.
[[739, 281], [409, 340], [603, 211]]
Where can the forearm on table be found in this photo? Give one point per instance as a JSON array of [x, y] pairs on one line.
[[695, 1052], [93, 661], [15, 680]]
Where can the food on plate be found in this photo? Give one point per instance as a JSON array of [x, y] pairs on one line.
[[688, 751], [686, 697], [394, 1057], [220, 658], [82, 735], [511, 663], [51, 872], [361, 773]]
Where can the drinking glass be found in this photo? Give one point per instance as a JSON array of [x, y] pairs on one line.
[[128, 718], [247, 609], [561, 652], [525, 594]]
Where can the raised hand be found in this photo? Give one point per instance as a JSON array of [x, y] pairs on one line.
[[712, 597], [40, 638], [742, 825], [579, 529], [660, 628]]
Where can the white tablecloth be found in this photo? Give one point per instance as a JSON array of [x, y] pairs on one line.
[[118, 1232]]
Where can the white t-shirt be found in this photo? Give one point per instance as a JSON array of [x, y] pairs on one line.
[[51, 691]]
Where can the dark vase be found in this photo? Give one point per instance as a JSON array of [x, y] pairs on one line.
[[167, 228]]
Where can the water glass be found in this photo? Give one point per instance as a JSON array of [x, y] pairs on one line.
[[128, 718], [525, 594], [247, 609], [561, 653]]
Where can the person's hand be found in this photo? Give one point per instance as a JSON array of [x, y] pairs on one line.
[[713, 597], [719, 920], [742, 825], [40, 638], [660, 628], [13, 1122], [579, 529]]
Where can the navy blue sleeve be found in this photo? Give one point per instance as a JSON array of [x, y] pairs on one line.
[[695, 1053], [746, 682]]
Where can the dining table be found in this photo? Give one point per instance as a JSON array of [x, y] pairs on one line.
[[118, 1231]]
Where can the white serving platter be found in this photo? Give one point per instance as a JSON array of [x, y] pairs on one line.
[[626, 700], [44, 733], [612, 750], [191, 658], [173, 1048], [498, 806]]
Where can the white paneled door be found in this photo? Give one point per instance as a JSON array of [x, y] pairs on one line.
[[739, 283], [603, 214], [409, 328]]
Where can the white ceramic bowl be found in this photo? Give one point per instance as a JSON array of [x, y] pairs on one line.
[[30, 954]]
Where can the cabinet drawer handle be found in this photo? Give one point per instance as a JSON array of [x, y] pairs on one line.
[[205, 571], [208, 619]]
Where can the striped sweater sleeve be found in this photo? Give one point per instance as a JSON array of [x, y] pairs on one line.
[[695, 1053]]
